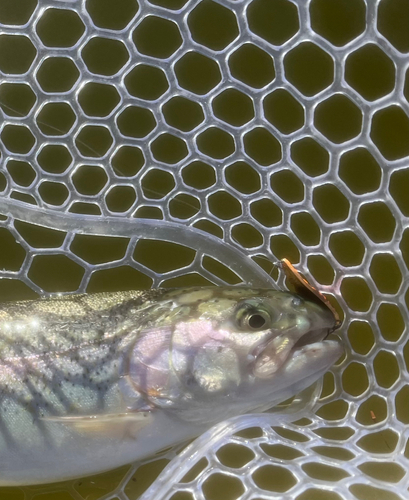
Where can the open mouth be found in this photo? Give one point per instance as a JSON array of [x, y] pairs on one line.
[[272, 355], [312, 337]]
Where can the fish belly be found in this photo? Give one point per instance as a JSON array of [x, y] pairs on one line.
[[64, 453]]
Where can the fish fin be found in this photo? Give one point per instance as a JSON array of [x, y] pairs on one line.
[[111, 424]]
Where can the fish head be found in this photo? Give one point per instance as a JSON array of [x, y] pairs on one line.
[[235, 350]]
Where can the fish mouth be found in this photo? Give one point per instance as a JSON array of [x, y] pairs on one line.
[[272, 355], [312, 337], [308, 338]]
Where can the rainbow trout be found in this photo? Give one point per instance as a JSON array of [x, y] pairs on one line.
[[92, 382]]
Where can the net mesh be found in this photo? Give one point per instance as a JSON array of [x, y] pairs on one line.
[[223, 135]]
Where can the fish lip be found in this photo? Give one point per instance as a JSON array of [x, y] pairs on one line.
[[277, 350], [312, 336]]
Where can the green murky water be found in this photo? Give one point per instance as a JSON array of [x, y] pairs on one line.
[[369, 71]]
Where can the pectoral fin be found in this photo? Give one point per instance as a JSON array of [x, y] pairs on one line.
[[112, 425]]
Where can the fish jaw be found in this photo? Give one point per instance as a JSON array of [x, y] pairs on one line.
[[287, 364], [315, 358], [274, 354], [304, 367], [307, 365]]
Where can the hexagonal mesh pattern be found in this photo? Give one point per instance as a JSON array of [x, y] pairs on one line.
[[237, 132]]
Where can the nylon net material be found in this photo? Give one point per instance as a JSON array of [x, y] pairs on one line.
[[188, 142]]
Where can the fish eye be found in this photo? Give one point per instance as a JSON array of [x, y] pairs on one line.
[[254, 320]]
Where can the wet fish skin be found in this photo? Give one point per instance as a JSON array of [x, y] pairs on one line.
[[91, 382]]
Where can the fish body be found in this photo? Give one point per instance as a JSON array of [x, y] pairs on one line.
[[92, 382]]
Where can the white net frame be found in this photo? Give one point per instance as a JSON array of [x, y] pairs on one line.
[[339, 478]]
